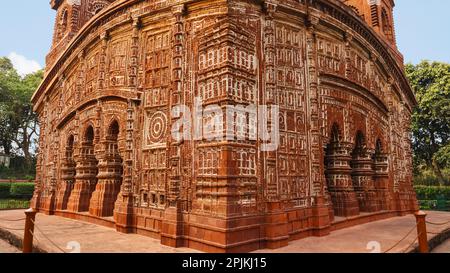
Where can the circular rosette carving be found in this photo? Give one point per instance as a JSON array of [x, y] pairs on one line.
[[157, 128]]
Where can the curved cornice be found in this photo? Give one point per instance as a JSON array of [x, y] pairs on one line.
[[83, 33], [332, 80], [340, 11], [333, 8]]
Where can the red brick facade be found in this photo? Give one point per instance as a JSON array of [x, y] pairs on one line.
[[117, 68]]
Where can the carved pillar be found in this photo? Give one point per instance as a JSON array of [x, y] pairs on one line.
[[102, 61], [67, 179], [411, 203], [123, 212], [80, 83], [109, 176], [381, 180], [348, 37], [269, 97], [86, 176], [362, 175], [276, 225], [39, 187], [50, 196], [171, 230], [394, 188], [47, 167], [339, 179], [134, 54], [109, 179], [322, 212]]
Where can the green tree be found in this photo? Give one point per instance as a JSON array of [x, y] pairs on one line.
[[431, 119], [8, 80], [18, 122]]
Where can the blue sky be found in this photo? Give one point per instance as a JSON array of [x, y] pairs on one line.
[[26, 26]]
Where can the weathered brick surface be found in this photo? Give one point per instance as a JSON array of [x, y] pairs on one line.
[[112, 78]]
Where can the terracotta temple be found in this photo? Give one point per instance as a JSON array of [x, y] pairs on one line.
[[117, 68]]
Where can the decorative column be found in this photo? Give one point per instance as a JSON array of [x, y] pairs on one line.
[[276, 221], [109, 178], [269, 97], [123, 211], [48, 172], [411, 203], [381, 180], [176, 97], [67, 179], [86, 177], [171, 230], [322, 213], [339, 179], [102, 62], [50, 198], [362, 175], [393, 184], [39, 183], [80, 83]]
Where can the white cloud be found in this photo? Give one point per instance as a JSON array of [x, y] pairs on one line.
[[23, 65]]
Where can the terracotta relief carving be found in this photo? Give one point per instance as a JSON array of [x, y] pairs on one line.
[[118, 68]]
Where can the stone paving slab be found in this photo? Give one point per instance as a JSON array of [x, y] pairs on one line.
[[443, 248], [376, 236], [5, 247], [66, 234]]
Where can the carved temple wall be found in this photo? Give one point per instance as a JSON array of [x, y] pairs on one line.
[[106, 151]]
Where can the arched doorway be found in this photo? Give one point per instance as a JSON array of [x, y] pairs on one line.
[[109, 176], [381, 177], [68, 171], [338, 175], [362, 175], [86, 174]]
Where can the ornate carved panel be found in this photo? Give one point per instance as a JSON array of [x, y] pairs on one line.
[[114, 86], [117, 62]]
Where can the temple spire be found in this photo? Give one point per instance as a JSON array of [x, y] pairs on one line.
[[378, 14], [71, 16]]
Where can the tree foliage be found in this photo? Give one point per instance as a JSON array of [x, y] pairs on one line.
[[18, 122], [431, 119]]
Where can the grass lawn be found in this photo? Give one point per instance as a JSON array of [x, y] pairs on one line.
[[14, 204]]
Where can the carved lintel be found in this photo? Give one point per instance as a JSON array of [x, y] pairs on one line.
[[373, 56], [270, 7], [104, 36], [61, 80], [312, 20], [137, 23], [348, 37], [179, 9], [82, 54], [391, 81]]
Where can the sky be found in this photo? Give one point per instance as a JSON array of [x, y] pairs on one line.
[[26, 29]]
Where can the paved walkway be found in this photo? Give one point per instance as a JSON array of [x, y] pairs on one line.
[[72, 235], [376, 237], [58, 234], [443, 248], [5, 247]]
